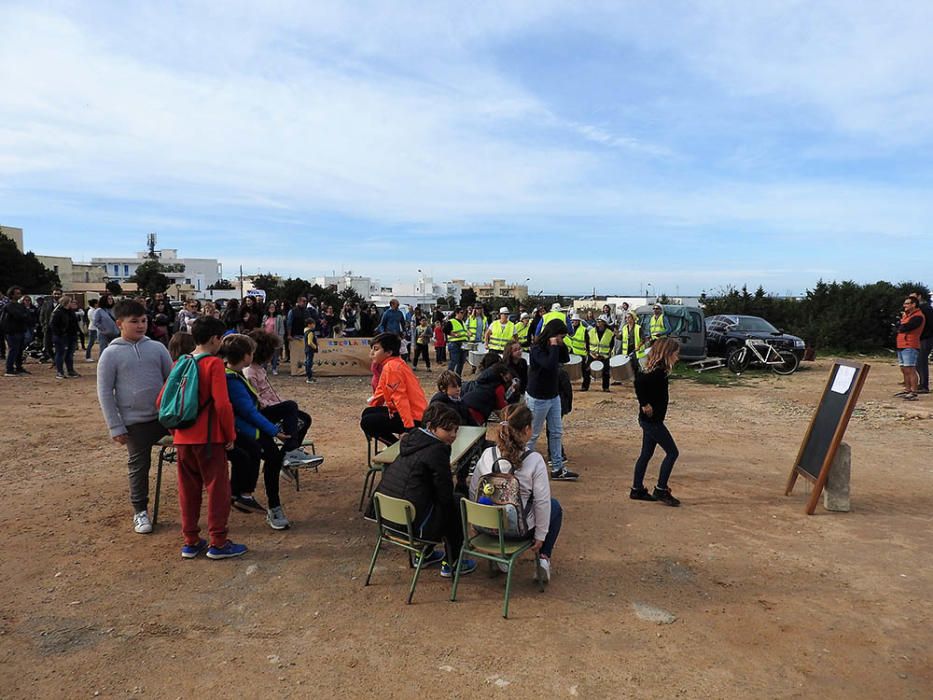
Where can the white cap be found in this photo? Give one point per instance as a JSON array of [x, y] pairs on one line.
[[555, 306], [524, 314], [576, 317], [605, 319], [504, 310]]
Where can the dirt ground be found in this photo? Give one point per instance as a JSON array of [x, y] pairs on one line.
[[758, 599]]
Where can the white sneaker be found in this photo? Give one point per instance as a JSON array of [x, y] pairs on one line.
[[141, 523], [502, 567], [300, 457], [89, 359], [544, 566]]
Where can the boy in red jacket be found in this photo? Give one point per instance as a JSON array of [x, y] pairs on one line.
[[202, 451]]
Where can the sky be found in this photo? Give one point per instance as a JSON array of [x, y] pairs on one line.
[[584, 145]]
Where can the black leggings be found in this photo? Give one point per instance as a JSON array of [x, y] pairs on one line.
[[652, 435], [244, 460], [421, 351], [294, 422], [376, 422]]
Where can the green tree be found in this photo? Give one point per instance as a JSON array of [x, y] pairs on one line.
[[221, 284], [266, 282], [150, 278], [292, 288], [114, 288], [24, 269], [467, 297]]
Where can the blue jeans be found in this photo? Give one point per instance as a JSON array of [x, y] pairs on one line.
[[652, 435], [64, 353], [91, 339], [14, 352], [547, 411], [457, 357], [557, 517], [309, 363]]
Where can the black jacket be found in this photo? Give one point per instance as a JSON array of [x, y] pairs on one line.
[[458, 406], [652, 388], [927, 331], [64, 322], [421, 474], [482, 395], [542, 374], [519, 369], [15, 318]]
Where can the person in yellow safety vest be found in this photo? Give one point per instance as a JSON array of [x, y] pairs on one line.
[[599, 346], [521, 331], [575, 340], [630, 337], [500, 332], [456, 336], [657, 327], [476, 325]]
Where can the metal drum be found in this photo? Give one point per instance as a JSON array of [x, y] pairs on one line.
[[574, 367], [475, 358], [469, 347], [596, 367], [620, 368]]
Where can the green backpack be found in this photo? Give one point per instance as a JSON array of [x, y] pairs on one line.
[[179, 407]]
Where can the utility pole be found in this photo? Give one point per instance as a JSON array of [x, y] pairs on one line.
[[241, 281]]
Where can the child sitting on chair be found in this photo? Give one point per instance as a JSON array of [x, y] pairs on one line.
[[398, 402], [421, 475], [448, 394], [545, 516]]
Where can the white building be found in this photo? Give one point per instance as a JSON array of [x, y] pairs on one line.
[[198, 273], [364, 286], [424, 292]]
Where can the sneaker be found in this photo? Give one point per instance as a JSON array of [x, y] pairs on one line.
[[309, 381], [275, 373], [247, 504], [435, 557], [229, 549], [901, 394], [923, 391], [910, 397], [190, 551], [10, 374], [665, 496], [141, 523], [89, 359], [299, 456], [73, 375], [276, 518], [59, 376], [467, 566], [544, 570], [564, 475], [23, 371], [641, 495]]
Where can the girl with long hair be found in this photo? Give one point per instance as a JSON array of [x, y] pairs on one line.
[[545, 515], [651, 388]]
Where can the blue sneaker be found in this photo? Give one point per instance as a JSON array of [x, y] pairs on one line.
[[467, 566], [228, 550], [435, 557], [190, 551]]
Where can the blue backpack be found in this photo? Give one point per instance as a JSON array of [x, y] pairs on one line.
[[179, 407]]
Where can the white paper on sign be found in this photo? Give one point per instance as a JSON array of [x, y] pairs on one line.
[[843, 379]]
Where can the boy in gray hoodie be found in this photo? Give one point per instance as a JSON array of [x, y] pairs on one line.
[[130, 374]]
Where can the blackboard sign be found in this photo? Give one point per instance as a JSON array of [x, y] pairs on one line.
[[827, 427]]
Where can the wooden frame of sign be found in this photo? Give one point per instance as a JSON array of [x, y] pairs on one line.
[[827, 427]]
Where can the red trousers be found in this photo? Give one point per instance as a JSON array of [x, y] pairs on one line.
[[203, 467]]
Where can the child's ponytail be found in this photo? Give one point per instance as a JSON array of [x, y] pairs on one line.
[[515, 420]]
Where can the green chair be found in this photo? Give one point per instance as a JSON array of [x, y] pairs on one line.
[[166, 454], [493, 548], [398, 511], [373, 468]]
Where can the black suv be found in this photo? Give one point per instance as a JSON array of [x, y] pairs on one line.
[[726, 332]]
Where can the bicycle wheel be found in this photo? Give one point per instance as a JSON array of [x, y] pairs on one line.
[[739, 360], [789, 364]]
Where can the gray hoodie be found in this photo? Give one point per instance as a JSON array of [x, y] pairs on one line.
[[129, 378]]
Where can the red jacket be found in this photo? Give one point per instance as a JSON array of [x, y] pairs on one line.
[[217, 415], [909, 330], [440, 340]]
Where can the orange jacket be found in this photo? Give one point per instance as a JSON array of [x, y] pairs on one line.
[[400, 391], [910, 338]]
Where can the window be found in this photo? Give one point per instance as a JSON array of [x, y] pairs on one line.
[[116, 270], [126, 270]]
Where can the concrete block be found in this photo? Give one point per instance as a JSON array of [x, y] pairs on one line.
[[836, 491]]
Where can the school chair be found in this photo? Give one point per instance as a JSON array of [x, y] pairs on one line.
[[292, 471], [372, 468], [398, 511], [493, 548], [168, 454]]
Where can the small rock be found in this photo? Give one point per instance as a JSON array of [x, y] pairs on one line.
[[446, 668], [649, 613], [251, 569]]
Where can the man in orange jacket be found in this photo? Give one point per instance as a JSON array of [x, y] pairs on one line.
[[909, 331], [398, 403]]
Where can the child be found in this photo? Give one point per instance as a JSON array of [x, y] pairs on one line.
[[182, 343], [448, 393], [130, 375], [398, 402], [294, 421], [423, 336], [310, 349], [255, 434], [440, 343], [421, 474], [488, 392], [545, 516], [403, 349], [201, 450]]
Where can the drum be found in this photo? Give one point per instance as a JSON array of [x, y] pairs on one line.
[[643, 361], [620, 368], [475, 358], [469, 347], [574, 367], [596, 367]]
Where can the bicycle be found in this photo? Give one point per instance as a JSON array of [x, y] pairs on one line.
[[762, 353]]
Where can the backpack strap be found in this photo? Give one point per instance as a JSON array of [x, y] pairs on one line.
[[496, 460]]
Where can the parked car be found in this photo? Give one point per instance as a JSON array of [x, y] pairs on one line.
[[685, 324], [727, 332]]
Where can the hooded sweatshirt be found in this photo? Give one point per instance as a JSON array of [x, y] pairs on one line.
[[486, 395], [421, 474], [129, 378]]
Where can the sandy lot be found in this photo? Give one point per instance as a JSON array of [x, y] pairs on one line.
[[768, 601]]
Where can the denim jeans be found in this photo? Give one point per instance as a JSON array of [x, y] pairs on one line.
[[14, 352], [557, 517], [309, 363], [652, 435], [457, 357], [91, 339], [923, 363], [547, 411], [64, 353]]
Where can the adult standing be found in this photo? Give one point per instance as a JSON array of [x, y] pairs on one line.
[[576, 344], [274, 325], [909, 331], [926, 344], [107, 329], [651, 388], [231, 315], [599, 341], [296, 318], [543, 396], [15, 321], [476, 325], [45, 317], [630, 340], [250, 314], [456, 336], [657, 325], [187, 316], [500, 332], [91, 329], [392, 321], [64, 328]]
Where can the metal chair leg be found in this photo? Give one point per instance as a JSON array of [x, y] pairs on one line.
[[372, 564], [508, 589], [158, 488]]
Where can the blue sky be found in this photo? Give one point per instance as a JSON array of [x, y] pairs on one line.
[[606, 145]]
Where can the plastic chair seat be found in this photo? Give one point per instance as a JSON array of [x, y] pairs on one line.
[[490, 545]]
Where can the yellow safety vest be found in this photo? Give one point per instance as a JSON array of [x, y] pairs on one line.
[[521, 331], [656, 326], [576, 343], [471, 324], [641, 351], [500, 334], [551, 315], [458, 333], [601, 346]]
